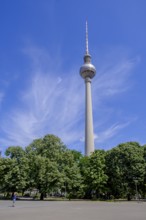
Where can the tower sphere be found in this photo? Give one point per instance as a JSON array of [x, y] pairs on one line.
[[87, 70]]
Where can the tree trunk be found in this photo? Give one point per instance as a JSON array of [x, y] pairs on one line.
[[42, 196], [128, 197]]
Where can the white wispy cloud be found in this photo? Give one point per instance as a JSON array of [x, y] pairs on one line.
[[49, 106], [52, 103], [108, 133], [113, 79]]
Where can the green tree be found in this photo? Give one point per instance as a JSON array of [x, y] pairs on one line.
[[14, 174], [93, 173], [43, 175], [66, 162], [144, 184], [15, 152], [17, 177], [125, 165], [50, 147], [72, 179], [5, 166]]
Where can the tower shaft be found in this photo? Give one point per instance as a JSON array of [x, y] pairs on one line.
[[89, 135], [87, 72]]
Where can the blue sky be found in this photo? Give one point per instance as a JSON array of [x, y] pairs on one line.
[[42, 44]]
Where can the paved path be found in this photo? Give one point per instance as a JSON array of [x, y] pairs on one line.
[[72, 210]]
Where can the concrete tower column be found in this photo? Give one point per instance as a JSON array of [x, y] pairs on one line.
[[88, 71], [89, 134]]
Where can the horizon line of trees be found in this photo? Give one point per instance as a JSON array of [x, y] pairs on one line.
[[50, 167]]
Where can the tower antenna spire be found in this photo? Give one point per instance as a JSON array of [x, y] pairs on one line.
[[87, 49]]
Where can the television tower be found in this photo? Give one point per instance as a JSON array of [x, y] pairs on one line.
[[87, 72]]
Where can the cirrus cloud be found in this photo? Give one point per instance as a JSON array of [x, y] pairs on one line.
[[52, 103]]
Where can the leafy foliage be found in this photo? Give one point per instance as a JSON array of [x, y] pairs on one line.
[[49, 167], [125, 164], [93, 172]]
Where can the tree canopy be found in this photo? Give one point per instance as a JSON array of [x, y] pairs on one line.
[[48, 166]]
